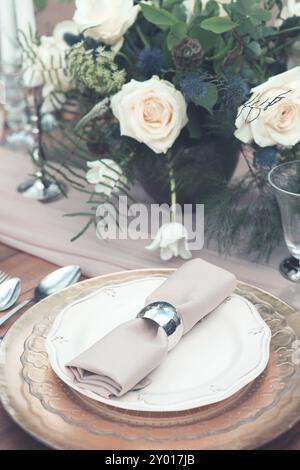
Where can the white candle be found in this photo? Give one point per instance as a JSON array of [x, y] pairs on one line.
[[8, 32], [26, 23]]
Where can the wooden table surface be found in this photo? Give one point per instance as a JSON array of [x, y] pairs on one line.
[[31, 269]]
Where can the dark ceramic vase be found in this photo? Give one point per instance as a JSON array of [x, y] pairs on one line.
[[201, 169]]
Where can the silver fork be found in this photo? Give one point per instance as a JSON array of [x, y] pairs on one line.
[[3, 277]]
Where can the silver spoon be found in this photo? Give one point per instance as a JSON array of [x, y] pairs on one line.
[[9, 293], [51, 284]]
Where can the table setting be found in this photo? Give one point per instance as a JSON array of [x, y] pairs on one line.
[[149, 221], [214, 403]]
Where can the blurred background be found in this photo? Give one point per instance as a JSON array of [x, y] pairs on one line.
[[54, 12]]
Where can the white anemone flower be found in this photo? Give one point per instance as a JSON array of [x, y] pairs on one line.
[[46, 66], [172, 240], [106, 175]]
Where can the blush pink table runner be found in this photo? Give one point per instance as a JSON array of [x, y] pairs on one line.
[[41, 230]]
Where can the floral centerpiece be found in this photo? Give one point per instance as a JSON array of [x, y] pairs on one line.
[[174, 92]]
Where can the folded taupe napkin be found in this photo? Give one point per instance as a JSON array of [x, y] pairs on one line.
[[123, 359]]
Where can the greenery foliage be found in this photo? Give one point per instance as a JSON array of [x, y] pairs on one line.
[[238, 51], [95, 69]]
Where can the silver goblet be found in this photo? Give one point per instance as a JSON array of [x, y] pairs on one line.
[[40, 187]]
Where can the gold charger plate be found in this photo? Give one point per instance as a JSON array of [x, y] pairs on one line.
[[46, 408]]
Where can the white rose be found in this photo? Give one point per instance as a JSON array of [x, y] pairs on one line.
[[152, 112], [106, 175], [190, 6], [106, 20], [292, 8], [272, 114], [172, 240], [46, 65]]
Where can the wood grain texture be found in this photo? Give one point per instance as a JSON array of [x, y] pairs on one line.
[[6, 252], [31, 269]]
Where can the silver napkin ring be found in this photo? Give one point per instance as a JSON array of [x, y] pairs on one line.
[[166, 316]]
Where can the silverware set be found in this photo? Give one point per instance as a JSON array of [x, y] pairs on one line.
[[10, 289]]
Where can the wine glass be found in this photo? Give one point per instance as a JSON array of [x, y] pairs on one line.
[[285, 181]]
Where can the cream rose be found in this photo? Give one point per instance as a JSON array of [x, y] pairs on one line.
[[272, 114], [152, 112], [190, 6], [106, 20]]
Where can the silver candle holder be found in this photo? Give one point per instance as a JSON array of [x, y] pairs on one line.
[[41, 187]]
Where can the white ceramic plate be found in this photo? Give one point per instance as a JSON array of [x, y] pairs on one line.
[[222, 354]]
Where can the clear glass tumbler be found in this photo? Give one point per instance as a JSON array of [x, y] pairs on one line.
[[285, 181]]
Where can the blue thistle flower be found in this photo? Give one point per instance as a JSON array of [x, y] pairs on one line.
[[234, 91], [72, 39], [266, 157], [193, 87], [150, 61], [92, 45]]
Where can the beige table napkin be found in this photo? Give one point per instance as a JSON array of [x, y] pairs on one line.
[[123, 359]]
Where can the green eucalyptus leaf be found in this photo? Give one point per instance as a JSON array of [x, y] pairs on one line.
[[210, 98], [211, 8], [218, 24], [246, 28], [255, 48], [180, 12], [168, 61], [178, 33], [270, 60], [207, 39], [260, 16], [267, 31], [197, 7], [158, 16], [249, 10]]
